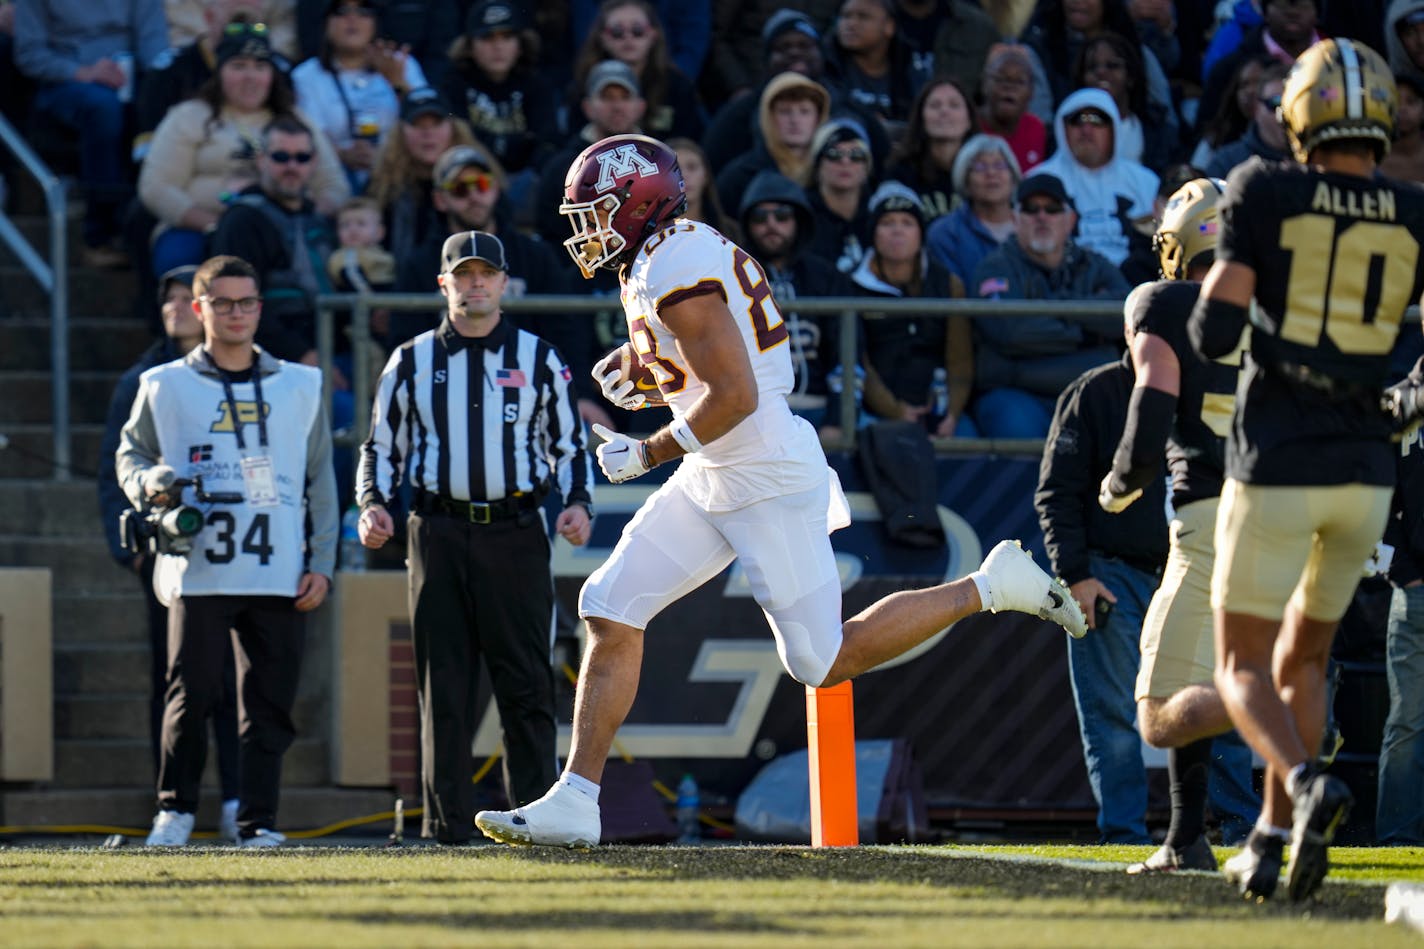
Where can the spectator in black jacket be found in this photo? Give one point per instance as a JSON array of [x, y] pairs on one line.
[[274, 226], [1399, 815], [182, 331], [1112, 563], [493, 83], [842, 177], [777, 224]]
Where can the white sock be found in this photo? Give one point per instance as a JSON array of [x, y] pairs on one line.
[[1264, 826], [1294, 778], [981, 583], [581, 784]]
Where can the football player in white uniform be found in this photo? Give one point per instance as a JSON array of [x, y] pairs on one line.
[[754, 485]]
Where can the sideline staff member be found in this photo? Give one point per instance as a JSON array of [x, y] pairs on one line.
[[251, 424], [479, 415]]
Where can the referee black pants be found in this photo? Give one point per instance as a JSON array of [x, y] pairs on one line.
[[481, 592], [268, 634]]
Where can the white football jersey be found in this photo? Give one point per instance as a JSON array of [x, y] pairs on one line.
[[771, 451]]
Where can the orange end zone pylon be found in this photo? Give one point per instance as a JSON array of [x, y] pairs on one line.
[[830, 739]]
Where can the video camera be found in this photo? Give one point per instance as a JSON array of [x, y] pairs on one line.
[[170, 529]]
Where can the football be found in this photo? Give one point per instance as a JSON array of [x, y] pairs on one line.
[[629, 367]]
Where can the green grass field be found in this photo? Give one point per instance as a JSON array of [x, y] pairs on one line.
[[879, 897]]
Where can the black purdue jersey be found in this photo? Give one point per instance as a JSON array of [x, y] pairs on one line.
[[1196, 448], [1337, 261]]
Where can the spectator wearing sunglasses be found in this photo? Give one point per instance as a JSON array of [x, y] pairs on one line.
[[631, 32], [842, 177], [351, 89], [777, 226], [1022, 363], [205, 150], [1265, 136], [1113, 197], [275, 226]]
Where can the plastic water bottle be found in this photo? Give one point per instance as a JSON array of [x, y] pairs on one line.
[[689, 811], [353, 555], [1404, 903], [939, 397]]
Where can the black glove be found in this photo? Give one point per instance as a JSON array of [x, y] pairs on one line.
[[1404, 404]]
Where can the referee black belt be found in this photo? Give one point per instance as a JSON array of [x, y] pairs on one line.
[[476, 512]]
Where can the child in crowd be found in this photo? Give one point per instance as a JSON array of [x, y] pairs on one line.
[[361, 264]]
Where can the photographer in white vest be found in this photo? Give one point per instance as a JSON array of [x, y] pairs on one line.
[[253, 429]]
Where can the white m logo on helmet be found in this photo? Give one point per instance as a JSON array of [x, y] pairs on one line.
[[622, 161]]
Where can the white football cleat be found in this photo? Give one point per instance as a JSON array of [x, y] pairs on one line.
[[263, 838], [1017, 583], [564, 817], [170, 829]]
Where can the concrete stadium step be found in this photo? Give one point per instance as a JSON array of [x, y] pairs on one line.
[[101, 619], [107, 344], [78, 565], [81, 669], [300, 808], [51, 509], [127, 763], [106, 294], [25, 395], [31, 451], [103, 716]]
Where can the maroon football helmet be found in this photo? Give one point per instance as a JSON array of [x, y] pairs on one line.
[[618, 192]]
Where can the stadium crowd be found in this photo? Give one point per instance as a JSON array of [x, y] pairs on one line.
[[877, 148]]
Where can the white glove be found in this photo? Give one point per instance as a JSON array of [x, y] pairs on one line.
[[617, 386], [1115, 503], [157, 480], [620, 457]]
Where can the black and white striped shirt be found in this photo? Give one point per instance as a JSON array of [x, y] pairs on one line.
[[475, 419]]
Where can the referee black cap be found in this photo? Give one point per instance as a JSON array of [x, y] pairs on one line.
[[472, 245]]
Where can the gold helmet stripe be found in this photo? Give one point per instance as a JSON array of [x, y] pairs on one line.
[[1354, 79]]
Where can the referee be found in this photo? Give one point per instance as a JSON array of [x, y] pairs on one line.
[[480, 417]]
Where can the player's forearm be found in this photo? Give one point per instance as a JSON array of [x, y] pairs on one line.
[[712, 416], [1139, 454]]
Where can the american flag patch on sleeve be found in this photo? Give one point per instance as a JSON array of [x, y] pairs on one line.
[[565, 374], [992, 286], [510, 378]]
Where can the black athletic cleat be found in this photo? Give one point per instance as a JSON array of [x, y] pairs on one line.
[[1196, 855], [1320, 808], [1257, 868]]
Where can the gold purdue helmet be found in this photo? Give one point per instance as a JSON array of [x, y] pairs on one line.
[[1189, 226], [1338, 89]]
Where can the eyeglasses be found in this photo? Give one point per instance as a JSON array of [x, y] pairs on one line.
[[245, 29], [222, 306], [283, 157], [353, 9], [462, 187], [984, 167], [854, 153], [1271, 102], [1033, 210], [637, 31], [1091, 119], [780, 214]]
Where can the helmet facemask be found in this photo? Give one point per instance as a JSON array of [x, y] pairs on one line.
[[595, 243]]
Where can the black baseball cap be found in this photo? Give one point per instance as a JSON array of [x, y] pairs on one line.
[[1047, 185], [472, 245], [455, 159], [494, 16], [611, 72], [183, 275], [423, 101]]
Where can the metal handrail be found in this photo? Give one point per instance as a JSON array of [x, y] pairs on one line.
[[1106, 313], [53, 278]]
